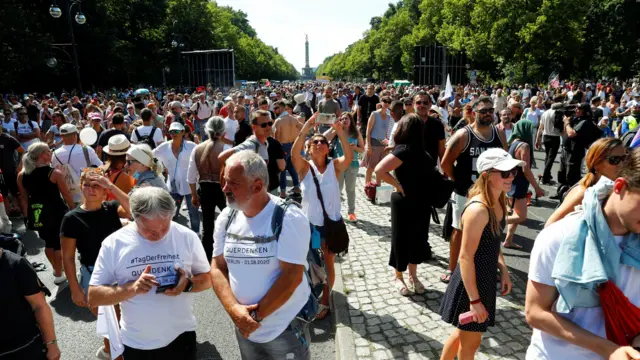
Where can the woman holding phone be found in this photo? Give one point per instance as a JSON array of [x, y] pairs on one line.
[[472, 288]]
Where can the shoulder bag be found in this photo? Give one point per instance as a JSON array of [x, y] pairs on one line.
[[335, 232]]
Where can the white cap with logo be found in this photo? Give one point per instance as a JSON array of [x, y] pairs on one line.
[[498, 159]]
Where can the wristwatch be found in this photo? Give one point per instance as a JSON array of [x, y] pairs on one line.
[[189, 286], [254, 315]]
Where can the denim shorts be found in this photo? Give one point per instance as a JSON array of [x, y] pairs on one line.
[[85, 276], [294, 341]]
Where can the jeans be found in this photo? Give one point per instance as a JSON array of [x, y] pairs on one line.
[[348, 178], [294, 340], [199, 128], [292, 171], [551, 146], [210, 194], [194, 215], [182, 348]]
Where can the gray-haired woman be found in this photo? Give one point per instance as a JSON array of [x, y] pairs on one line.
[[144, 167], [40, 187], [204, 170]]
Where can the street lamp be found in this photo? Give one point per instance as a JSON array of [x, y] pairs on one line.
[[174, 44], [56, 13]]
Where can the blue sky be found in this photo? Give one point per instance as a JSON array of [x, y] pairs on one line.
[[331, 24]]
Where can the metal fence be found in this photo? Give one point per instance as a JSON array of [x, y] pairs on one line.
[[215, 67], [432, 63]]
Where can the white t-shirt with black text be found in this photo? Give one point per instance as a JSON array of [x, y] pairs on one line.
[[254, 268], [151, 320], [543, 256], [25, 129]]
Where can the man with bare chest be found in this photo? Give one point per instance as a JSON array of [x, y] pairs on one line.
[[286, 129]]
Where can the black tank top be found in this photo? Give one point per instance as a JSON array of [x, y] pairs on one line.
[[41, 190], [464, 170]]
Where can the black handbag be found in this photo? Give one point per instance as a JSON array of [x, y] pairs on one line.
[[335, 231], [444, 188]]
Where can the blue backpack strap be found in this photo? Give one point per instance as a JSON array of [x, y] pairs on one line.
[[232, 215], [278, 215]]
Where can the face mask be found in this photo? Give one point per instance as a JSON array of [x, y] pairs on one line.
[[136, 175]]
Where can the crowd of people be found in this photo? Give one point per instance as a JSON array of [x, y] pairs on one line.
[[113, 201]]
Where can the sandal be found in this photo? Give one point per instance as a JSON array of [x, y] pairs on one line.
[[402, 287], [416, 286], [323, 310], [446, 277], [513, 246]]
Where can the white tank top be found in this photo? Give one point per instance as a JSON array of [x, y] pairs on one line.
[[330, 194]]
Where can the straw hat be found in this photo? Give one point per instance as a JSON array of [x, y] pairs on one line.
[[118, 145]]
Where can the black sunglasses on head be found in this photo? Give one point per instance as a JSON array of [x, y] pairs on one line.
[[264, 125], [506, 174]]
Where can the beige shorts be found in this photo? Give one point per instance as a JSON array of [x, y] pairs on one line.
[[458, 202]]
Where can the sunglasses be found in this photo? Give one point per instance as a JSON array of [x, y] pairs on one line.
[[129, 162], [485, 111], [423, 102], [264, 125], [386, 101], [505, 174], [175, 132], [615, 160], [320, 141]]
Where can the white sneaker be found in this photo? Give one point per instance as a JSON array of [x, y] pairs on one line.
[[59, 279], [102, 355]]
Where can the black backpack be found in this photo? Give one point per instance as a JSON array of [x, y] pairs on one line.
[[558, 120], [147, 139], [627, 138]]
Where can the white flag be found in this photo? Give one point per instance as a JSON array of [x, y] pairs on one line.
[[448, 90]]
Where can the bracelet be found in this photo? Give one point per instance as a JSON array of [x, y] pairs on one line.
[[476, 301], [54, 341]]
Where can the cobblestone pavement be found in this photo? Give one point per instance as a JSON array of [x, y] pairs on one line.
[[385, 325]]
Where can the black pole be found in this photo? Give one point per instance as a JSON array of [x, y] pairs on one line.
[[73, 45]]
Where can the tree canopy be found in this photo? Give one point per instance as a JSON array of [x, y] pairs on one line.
[[531, 39], [125, 43]]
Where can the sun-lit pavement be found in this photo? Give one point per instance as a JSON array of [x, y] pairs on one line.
[[376, 322]]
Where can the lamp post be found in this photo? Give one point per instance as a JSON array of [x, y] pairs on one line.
[[56, 13]]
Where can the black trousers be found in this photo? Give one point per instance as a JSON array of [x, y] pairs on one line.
[[182, 348], [570, 167], [551, 146], [210, 195]]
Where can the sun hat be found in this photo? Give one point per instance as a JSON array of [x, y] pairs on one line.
[[176, 126], [140, 155], [67, 129], [299, 98], [118, 145], [95, 116], [496, 158]]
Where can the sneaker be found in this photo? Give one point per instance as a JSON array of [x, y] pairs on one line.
[[352, 217], [103, 355], [59, 279]]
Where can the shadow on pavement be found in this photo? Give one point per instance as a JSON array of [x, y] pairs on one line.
[[322, 330], [378, 329], [373, 229], [64, 306], [207, 351], [34, 244]]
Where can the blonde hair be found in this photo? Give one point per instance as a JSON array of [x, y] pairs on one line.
[[482, 188], [155, 165], [31, 156]]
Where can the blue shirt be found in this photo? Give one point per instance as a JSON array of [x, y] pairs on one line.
[[340, 152]]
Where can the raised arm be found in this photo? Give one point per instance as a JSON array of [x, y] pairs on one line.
[[344, 161], [299, 163]]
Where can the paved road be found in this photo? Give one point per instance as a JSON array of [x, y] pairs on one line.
[[76, 327]]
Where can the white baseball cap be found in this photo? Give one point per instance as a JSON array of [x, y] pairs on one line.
[[498, 159], [67, 129], [176, 126]]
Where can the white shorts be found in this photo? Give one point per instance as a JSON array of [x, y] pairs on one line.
[[458, 202]]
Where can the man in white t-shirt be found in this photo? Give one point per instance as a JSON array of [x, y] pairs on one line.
[[77, 156], [258, 278], [231, 127], [24, 130], [156, 264], [144, 131], [579, 331], [202, 110]]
